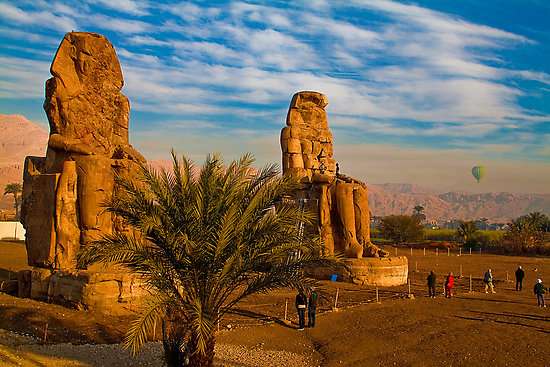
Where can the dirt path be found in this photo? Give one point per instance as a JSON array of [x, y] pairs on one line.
[[17, 350], [504, 329]]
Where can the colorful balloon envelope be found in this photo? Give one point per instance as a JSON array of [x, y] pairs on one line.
[[478, 172]]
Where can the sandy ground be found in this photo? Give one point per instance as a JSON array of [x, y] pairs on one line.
[[471, 329], [18, 350]]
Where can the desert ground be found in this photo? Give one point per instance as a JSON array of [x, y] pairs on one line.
[[471, 329]]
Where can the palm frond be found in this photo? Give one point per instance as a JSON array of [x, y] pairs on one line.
[[151, 314]]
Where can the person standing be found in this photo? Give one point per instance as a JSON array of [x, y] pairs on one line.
[[301, 304], [539, 291], [311, 308], [431, 284], [488, 280], [520, 274], [449, 284]]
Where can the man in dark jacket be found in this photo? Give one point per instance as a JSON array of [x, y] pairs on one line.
[[301, 304], [539, 291], [431, 284], [520, 274], [312, 308]]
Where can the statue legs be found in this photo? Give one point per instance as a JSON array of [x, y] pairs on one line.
[[346, 212]]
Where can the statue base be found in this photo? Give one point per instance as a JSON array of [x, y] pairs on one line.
[[382, 271], [112, 292]]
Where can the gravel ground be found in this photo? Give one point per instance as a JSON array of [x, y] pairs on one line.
[[21, 350]]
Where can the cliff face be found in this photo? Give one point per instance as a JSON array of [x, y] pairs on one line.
[[19, 137], [389, 199]]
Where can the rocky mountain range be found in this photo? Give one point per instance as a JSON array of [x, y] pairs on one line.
[[20, 137], [386, 199]]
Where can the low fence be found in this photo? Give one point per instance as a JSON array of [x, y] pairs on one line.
[[12, 231]]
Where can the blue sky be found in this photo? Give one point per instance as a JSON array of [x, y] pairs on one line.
[[418, 92]]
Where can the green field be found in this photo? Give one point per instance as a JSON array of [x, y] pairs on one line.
[[485, 238]]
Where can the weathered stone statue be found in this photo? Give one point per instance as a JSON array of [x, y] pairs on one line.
[[342, 201], [64, 192]]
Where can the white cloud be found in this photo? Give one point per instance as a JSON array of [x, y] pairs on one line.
[[124, 26], [190, 12], [146, 41], [216, 51], [22, 78], [125, 6], [19, 35], [41, 18]]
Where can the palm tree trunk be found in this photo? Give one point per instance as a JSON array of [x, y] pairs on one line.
[[198, 359], [173, 338], [16, 199]]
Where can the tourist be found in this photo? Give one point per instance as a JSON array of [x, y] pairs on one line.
[[539, 291], [520, 274], [488, 280], [301, 304], [431, 284], [449, 284], [311, 307]]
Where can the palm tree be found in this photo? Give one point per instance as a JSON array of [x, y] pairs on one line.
[[467, 232], [418, 209], [538, 220], [524, 234], [15, 189], [418, 212], [203, 242]]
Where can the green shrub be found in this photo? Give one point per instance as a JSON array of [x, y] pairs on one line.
[[401, 228], [440, 235]]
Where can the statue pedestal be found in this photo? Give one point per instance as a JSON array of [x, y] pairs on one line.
[[383, 271], [108, 291]]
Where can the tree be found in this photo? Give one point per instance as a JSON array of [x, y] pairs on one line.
[[467, 232], [538, 220], [418, 212], [401, 228], [14, 189], [204, 242], [527, 232], [419, 209]]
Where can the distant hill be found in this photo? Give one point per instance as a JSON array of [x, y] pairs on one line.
[[386, 199], [19, 138]]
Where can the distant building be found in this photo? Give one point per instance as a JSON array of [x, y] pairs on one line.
[[431, 224]]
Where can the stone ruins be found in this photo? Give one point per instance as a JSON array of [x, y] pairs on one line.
[[64, 192], [343, 205], [340, 201]]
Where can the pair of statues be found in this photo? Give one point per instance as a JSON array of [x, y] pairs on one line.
[[64, 193]]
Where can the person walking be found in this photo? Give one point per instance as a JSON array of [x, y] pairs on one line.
[[301, 304], [520, 274], [311, 307], [539, 291], [488, 280], [431, 284], [449, 284]]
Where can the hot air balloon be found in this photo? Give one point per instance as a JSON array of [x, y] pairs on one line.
[[478, 172]]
